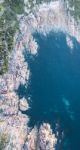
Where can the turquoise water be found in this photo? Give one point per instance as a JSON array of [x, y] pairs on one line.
[[54, 88]]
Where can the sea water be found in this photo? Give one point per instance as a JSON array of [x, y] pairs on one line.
[[54, 88]]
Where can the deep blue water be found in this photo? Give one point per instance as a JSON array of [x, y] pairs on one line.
[[54, 88]]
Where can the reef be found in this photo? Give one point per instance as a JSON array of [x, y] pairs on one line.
[[44, 18]]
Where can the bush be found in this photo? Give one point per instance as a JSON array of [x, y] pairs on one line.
[[3, 140]]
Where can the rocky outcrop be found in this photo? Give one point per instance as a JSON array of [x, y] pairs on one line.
[[23, 104], [42, 139], [47, 139]]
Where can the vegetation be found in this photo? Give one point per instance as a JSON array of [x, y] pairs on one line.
[[17, 6], [8, 26], [74, 8], [3, 140]]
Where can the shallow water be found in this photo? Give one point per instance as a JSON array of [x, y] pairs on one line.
[[54, 88]]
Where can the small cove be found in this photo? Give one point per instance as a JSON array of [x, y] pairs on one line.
[[54, 87]]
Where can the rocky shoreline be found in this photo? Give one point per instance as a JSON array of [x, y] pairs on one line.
[[44, 19]]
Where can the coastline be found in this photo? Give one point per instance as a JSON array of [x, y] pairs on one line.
[[11, 118]]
